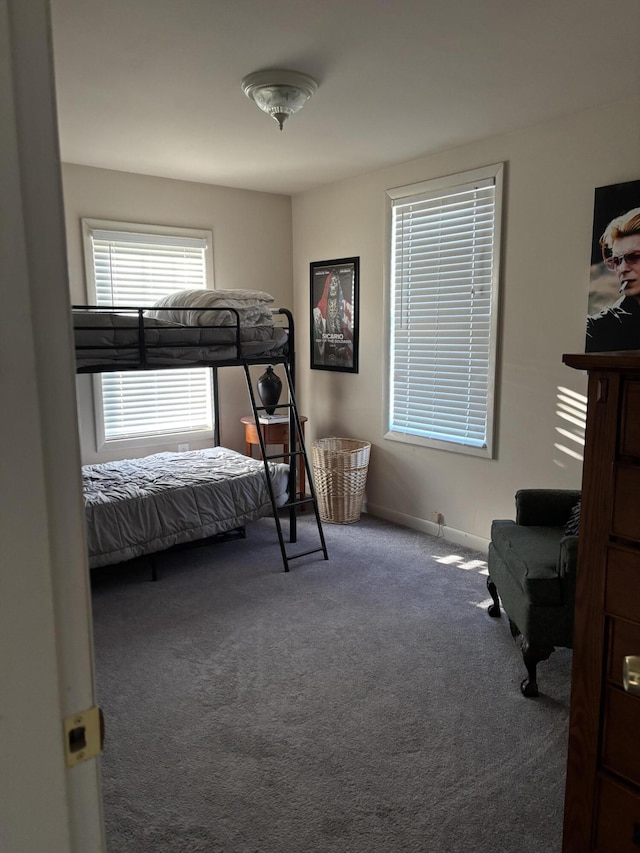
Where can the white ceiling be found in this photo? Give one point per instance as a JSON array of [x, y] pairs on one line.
[[153, 86]]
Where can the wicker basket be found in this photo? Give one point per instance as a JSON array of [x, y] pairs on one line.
[[340, 472]]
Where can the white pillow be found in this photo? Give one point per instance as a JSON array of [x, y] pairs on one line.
[[253, 307]]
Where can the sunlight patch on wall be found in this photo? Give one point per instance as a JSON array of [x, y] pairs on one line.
[[571, 410]]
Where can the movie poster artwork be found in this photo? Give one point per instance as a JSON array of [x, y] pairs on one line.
[[334, 314], [613, 314]]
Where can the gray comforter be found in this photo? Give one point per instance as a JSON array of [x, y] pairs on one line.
[[138, 506]]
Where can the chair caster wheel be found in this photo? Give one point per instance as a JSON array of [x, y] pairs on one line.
[[493, 610]]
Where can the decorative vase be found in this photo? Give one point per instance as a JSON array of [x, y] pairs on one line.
[[269, 389]]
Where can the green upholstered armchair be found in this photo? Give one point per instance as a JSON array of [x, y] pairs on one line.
[[532, 569]]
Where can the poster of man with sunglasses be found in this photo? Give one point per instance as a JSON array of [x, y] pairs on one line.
[[613, 321]]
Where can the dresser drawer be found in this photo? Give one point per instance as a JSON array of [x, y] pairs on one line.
[[626, 519], [622, 592], [620, 742], [629, 433], [624, 639], [618, 818]]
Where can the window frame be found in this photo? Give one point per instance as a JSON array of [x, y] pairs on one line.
[[494, 172], [90, 225]]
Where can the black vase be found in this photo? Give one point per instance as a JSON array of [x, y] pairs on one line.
[[269, 389]]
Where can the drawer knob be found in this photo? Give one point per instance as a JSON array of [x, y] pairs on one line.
[[631, 674]]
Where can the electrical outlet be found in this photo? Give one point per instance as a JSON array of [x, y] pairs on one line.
[[182, 448], [437, 517]]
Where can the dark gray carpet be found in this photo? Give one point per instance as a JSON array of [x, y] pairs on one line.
[[367, 704]]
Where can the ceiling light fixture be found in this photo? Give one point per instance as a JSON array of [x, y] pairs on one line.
[[279, 93]]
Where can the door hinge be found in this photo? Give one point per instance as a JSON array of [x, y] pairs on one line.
[[83, 736]]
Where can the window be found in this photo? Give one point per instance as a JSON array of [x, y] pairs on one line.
[[445, 248], [134, 265]]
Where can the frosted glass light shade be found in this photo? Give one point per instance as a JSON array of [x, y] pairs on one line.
[[279, 93]]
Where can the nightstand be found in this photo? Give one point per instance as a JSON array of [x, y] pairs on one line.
[[273, 433]]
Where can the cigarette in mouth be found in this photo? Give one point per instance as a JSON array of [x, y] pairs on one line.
[[623, 286]]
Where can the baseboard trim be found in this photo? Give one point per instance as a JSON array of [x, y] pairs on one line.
[[451, 534]]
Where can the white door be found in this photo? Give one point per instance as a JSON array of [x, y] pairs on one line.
[[46, 661]]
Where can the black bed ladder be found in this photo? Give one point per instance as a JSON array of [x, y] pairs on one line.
[[296, 451]]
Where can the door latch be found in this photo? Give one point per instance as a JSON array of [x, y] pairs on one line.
[[83, 736]]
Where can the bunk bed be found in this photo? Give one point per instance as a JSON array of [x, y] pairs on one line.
[[186, 329], [136, 507]]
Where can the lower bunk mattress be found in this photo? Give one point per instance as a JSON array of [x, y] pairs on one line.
[[139, 506]]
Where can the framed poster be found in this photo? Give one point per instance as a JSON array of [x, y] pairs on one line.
[[334, 289], [613, 313]]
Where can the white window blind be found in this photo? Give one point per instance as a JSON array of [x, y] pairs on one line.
[[131, 269], [443, 309]]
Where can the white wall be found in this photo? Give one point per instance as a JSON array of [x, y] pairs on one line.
[[551, 172], [251, 249]]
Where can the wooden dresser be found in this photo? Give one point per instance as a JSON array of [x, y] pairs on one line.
[[602, 802]]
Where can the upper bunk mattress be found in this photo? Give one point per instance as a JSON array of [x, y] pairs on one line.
[[111, 339], [139, 506]]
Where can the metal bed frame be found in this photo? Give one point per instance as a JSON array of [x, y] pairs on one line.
[[140, 360]]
